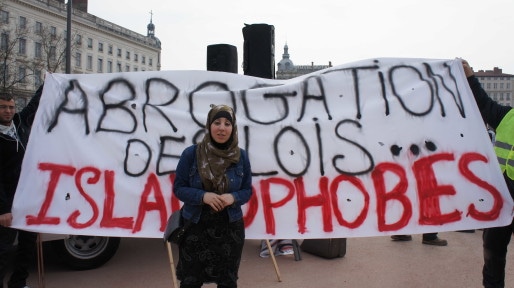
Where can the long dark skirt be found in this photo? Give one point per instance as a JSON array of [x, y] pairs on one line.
[[211, 251]]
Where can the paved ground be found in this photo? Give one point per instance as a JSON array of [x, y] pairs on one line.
[[369, 262]]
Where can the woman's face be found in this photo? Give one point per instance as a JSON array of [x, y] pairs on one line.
[[221, 129]]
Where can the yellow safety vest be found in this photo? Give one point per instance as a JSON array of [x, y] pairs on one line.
[[504, 144]]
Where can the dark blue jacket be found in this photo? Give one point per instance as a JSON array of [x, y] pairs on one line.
[[188, 185]]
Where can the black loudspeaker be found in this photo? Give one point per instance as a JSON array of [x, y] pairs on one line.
[[259, 50], [222, 57]]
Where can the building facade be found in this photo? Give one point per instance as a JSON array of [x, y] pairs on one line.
[[498, 85], [33, 41], [287, 70]]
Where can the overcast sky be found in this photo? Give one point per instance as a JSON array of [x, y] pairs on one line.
[[340, 31]]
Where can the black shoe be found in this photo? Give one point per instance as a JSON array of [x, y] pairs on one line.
[[401, 237], [436, 242], [467, 231]]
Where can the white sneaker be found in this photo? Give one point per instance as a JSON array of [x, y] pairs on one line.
[[264, 247], [284, 247]]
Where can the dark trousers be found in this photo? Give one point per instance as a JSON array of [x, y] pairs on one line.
[[23, 255], [495, 242]]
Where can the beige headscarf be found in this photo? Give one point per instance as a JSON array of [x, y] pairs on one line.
[[213, 161]]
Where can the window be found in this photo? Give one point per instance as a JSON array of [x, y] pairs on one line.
[[90, 43], [4, 72], [143, 59], [37, 78], [21, 74], [109, 66], [100, 47], [135, 69], [119, 52], [128, 55], [150, 61], [78, 39], [488, 85], [78, 59], [4, 41], [127, 68], [22, 46], [53, 32], [38, 52], [39, 27], [508, 86], [23, 22], [507, 96], [501, 86], [89, 64], [109, 50], [118, 67], [100, 65], [135, 57], [53, 53], [4, 17], [495, 86]]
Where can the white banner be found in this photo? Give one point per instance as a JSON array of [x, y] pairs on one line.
[[375, 147]]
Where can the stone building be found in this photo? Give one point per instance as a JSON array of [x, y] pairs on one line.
[[33, 42], [498, 85], [287, 70]]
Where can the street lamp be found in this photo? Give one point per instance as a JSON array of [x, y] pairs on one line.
[[68, 37]]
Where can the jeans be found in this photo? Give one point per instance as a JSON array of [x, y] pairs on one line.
[[495, 242], [23, 255]]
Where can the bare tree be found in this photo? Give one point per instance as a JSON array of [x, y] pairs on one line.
[[21, 71], [53, 49], [15, 66]]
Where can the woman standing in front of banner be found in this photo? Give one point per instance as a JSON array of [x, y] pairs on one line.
[[213, 179]]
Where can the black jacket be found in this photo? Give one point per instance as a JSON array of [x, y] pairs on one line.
[[12, 152], [492, 113]]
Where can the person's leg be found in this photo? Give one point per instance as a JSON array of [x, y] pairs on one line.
[[7, 237], [265, 253], [24, 256], [189, 286], [495, 242], [432, 239], [429, 236]]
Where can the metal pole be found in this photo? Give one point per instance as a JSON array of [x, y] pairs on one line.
[[68, 37]]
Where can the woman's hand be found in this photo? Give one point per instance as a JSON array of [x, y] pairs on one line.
[[214, 200], [218, 202], [228, 199]]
